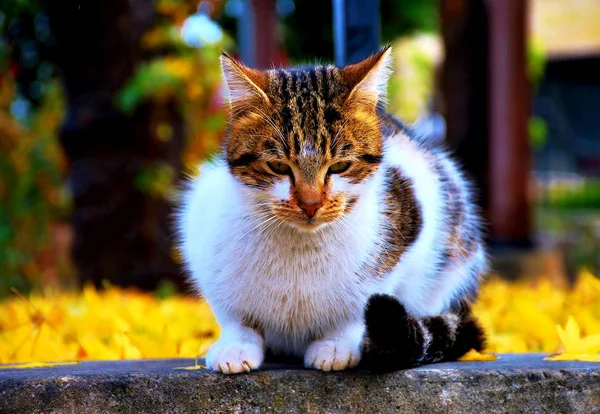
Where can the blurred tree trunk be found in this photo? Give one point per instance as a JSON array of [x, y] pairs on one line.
[[121, 234], [485, 99], [510, 155], [464, 84]]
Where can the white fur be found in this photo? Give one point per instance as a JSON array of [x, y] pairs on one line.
[[281, 190], [305, 288], [419, 261]]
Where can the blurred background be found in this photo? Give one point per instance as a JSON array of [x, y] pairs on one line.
[[105, 105]]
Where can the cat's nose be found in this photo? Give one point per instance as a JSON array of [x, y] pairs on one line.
[[310, 209]]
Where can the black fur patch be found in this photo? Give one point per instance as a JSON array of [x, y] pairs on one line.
[[442, 339], [332, 115], [395, 340], [243, 160], [371, 159]]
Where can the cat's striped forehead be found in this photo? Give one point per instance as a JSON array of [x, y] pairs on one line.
[[308, 103], [322, 82]]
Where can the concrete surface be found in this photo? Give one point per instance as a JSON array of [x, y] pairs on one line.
[[513, 383]]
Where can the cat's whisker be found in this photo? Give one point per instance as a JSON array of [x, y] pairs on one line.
[[274, 228], [253, 218], [251, 207], [272, 124], [254, 228], [348, 229], [335, 138], [353, 233]]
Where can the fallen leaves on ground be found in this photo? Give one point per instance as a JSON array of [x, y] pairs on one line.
[[577, 348], [474, 356], [99, 325], [126, 324], [25, 365], [527, 316]]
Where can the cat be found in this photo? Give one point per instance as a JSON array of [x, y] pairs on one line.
[[328, 231]]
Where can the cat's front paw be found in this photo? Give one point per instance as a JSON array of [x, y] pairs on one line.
[[234, 357], [332, 355]]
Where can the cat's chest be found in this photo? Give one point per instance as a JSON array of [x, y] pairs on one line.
[[294, 283], [279, 264]]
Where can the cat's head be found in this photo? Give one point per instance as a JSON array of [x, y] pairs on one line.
[[305, 140]]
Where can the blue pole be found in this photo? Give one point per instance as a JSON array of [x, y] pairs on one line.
[[245, 36], [356, 30], [339, 31]]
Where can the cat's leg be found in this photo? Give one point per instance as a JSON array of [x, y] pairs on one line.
[[239, 349], [338, 350]]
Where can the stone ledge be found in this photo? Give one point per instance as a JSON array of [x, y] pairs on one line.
[[513, 383]]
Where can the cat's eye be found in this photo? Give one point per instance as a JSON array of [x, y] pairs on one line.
[[279, 167], [339, 167]]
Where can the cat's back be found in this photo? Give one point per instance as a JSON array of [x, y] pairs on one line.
[[447, 251]]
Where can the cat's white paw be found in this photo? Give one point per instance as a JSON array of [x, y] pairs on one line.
[[332, 355], [234, 357]]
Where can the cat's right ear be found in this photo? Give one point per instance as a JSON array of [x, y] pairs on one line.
[[246, 86]]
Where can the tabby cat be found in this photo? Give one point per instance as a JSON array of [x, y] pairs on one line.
[[327, 231]]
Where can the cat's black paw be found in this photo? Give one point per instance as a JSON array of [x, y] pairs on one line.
[[469, 335], [394, 339]]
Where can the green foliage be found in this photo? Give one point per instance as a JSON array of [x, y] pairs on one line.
[[190, 76], [406, 17], [572, 217], [156, 179], [536, 65], [32, 193], [536, 62], [411, 89], [538, 132], [307, 33], [567, 195]]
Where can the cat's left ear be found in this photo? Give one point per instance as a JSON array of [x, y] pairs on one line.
[[368, 79], [246, 86]]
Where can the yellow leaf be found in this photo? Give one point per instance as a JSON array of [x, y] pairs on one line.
[[192, 368], [590, 344], [570, 335], [572, 341], [574, 357], [37, 365], [473, 355], [576, 347]]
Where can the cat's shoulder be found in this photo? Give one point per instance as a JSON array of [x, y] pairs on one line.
[[208, 188], [392, 128], [209, 176]]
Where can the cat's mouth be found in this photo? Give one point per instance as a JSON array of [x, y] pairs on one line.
[[301, 221], [311, 224], [307, 224]]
